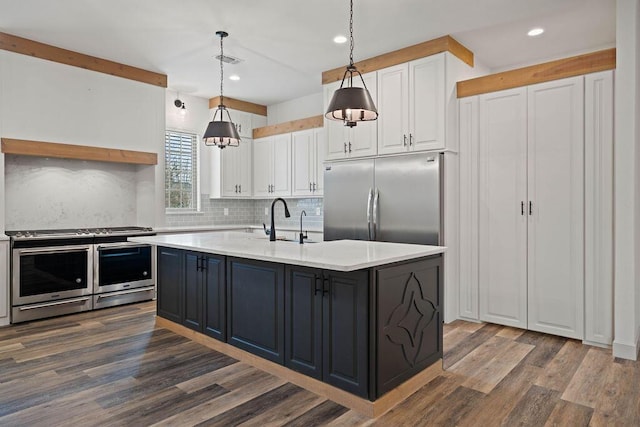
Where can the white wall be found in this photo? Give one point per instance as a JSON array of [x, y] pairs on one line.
[[626, 181], [46, 101], [194, 120], [298, 108]]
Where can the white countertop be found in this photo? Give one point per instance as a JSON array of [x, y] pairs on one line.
[[339, 255]]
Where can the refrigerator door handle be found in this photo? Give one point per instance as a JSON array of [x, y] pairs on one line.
[[369, 211], [375, 214]]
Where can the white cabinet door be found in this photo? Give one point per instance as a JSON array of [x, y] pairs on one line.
[[337, 133], [281, 165], [229, 187], [598, 191], [427, 103], [319, 136], [262, 164], [363, 138], [393, 109], [556, 220], [502, 217], [244, 166], [303, 167]]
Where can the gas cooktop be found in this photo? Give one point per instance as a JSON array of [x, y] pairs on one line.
[[78, 232]]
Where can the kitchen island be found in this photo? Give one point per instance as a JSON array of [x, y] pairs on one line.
[[359, 317]]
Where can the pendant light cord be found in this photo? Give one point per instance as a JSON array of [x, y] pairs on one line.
[[351, 34], [221, 70]]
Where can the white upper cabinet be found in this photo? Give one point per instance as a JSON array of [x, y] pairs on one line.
[[272, 166], [235, 173], [342, 141], [308, 149], [411, 106]]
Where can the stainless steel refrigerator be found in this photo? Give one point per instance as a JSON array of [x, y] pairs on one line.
[[389, 199]]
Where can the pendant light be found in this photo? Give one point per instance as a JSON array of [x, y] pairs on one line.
[[220, 132], [351, 104]]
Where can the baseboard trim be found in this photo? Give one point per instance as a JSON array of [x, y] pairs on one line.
[[625, 351], [358, 404]]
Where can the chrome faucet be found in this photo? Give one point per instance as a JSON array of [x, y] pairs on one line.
[[302, 236], [272, 234]]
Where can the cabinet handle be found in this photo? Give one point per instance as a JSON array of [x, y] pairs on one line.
[[317, 289], [404, 140], [349, 147], [240, 188], [198, 263], [345, 147], [314, 187], [203, 264], [521, 208], [410, 139], [325, 286], [530, 208], [310, 190], [236, 188], [239, 128]]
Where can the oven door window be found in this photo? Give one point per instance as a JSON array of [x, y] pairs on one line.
[[53, 272], [125, 264]]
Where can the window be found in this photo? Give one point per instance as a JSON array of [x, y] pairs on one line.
[[181, 170]]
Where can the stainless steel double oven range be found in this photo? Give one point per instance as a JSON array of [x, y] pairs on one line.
[[56, 272]]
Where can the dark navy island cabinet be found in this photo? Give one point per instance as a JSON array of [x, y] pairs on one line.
[[365, 331], [191, 290], [326, 321]]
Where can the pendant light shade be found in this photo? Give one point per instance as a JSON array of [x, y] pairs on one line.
[[221, 132], [351, 104]]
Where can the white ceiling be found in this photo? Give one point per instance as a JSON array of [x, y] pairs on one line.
[[286, 44]]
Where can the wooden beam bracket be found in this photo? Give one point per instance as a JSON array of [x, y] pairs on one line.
[[287, 127], [568, 67], [36, 49]]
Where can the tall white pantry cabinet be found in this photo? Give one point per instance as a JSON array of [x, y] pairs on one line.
[[536, 205]]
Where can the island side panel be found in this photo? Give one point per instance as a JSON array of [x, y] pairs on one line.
[[255, 307], [409, 305]]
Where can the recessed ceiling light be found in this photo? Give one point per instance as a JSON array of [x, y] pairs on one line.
[[339, 39], [535, 32], [234, 77]]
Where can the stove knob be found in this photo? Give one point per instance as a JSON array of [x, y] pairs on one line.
[[78, 280], [19, 234], [144, 273]]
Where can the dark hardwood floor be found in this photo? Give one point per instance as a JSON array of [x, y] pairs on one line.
[[113, 367]]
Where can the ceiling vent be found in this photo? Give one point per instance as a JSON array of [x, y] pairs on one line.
[[228, 59]]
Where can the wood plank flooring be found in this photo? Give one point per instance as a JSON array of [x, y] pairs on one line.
[[114, 367]]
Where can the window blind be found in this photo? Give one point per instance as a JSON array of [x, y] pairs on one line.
[[181, 170]]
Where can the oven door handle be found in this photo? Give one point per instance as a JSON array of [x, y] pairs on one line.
[[53, 304], [61, 249], [128, 291], [106, 246]]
